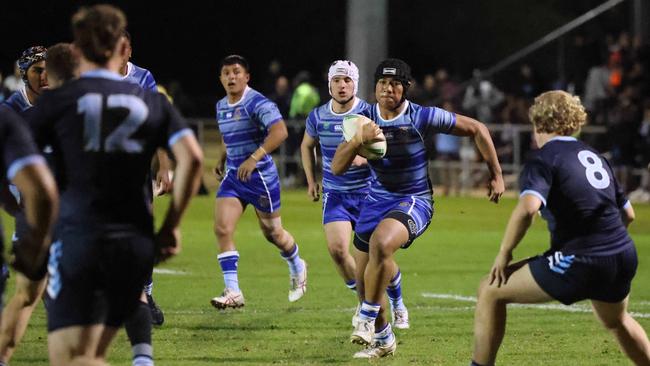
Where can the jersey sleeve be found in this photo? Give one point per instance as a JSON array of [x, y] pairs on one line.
[[18, 148], [621, 197], [267, 113], [432, 120], [536, 179], [177, 126], [311, 125], [148, 82]]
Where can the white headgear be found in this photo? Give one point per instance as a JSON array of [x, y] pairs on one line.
[[343, 68]]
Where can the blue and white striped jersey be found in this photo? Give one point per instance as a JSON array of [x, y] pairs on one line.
[[18, 101], [244, 126], [325, 126], [140, 76], [404, 169]]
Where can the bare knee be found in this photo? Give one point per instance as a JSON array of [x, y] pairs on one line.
[[27, 297], [222, 231], [338, 251], [488, 293], [273, 233], [381, 249], [613, 323]]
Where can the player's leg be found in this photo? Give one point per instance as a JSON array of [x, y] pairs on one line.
[[399, 311], [361, 261], [373, 326], [74, 344], [271, 225], [16, 314], [628, 332], [227, 212], [490, 315], [337, 234], [138, 328], [105, 339]]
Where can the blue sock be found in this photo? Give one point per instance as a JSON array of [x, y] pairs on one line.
[[385, 335], [228, 262], [474, 363], [293, 260], [369, 311], [352, 285], [394, 291]]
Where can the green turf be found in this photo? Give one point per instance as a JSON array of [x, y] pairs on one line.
[[450, 258]]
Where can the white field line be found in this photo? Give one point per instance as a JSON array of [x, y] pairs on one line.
[[559, 307], [169, 272]]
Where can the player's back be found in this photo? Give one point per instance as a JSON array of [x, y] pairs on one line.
[[104, 132], [584, 199]]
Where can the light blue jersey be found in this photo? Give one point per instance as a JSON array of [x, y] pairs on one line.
[[18, 101], [244, 126], [325, 126], [140, 76], [404, 170]]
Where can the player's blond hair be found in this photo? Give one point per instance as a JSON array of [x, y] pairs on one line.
[[558, 112]]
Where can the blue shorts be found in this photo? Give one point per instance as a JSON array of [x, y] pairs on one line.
[[572, 278], [262, 190], [96, 278], [412, 211], [342, 207]]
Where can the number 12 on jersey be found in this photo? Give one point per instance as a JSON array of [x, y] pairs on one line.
[[119, 140]]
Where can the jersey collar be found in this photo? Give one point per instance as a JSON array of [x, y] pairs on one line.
[[354, 105], [563, 138], [406, 106], [101, 73]]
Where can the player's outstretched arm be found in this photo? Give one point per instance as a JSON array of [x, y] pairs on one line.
[[41, 202], [276, 136], [308, 157], [466, 126], [187, 178], [520, 220]]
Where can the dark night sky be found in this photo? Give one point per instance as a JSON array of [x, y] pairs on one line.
[[186, 40]]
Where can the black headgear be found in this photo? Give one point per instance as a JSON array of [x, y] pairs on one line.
[[398, 70]]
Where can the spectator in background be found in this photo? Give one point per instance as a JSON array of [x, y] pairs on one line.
[[305, 98], [642, 193], [274, 72], [448, 154], [14, 82], [429, 91], [281, 95], [447, 88], [481, 98], [4, 92], [623, 121]]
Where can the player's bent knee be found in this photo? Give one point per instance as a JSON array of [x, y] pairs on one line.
[[273, 234], [338, 252], [223, 231]]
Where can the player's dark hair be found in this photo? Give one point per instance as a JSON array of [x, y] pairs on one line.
[[61, 63], [96, 31], [235, 59]]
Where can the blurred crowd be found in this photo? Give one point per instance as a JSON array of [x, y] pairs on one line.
[[611, 76]]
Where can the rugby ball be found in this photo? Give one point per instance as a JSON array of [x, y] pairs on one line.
[[375, 149]]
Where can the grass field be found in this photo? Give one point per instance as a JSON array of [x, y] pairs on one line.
[[440, 275]]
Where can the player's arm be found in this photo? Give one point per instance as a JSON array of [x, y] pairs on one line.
[[466, 126], [627, 214], [520, 219], [40, 201], [187, 178], [347, 151], [220, 168], [308, 157], [277, 133], [163, 182]]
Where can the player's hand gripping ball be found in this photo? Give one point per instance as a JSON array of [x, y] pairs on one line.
[[373, 149]]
